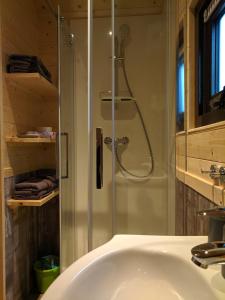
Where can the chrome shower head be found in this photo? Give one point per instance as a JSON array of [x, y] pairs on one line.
[[124, 38], [124, 34]]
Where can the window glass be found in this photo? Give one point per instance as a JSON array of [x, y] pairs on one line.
[[181, 87], [222, 53], [211, 62], [180, 94]]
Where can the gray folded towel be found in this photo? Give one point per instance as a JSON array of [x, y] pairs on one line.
[[35, 184], [33, 196]]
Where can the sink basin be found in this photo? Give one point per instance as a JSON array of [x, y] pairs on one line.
[[133, 267]]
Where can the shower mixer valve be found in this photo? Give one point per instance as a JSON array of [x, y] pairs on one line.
[[118, 141]]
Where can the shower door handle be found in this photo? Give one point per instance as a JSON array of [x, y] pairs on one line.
[[99, 158], [66, 135]]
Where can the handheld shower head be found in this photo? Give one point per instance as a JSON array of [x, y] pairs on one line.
[[124, 38], [124, 33]]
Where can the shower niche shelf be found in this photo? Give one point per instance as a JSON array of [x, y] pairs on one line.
[[15, 203], [34, 83]]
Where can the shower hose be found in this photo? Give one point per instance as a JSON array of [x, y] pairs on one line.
[[124, 169]]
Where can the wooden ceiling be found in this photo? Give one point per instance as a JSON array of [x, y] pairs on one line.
[[102, 8]]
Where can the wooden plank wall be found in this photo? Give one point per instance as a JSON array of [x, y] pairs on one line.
[[197, 148], [2, 206], [22, 31], [25, 29], [48, 38]]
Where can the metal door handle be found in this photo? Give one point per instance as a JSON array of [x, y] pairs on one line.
[[67, 155], [99, 158]]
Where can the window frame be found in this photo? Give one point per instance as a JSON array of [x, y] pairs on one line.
[[207, 76]]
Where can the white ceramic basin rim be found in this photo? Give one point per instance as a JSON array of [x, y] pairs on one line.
[[138, 267]]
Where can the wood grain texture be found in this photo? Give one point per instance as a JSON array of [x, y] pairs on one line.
[[34, 83], [188, 203], [181, 162], [48, 36], [202, 186], [2, 192], [181, 152], [180, 174], [195, 166], [209, 144], [27, 103], [181, 9], [37, 203], [202, 182], [181, 144], [218, 195], [18, 140]]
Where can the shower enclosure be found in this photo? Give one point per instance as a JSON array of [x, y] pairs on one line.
[[117, 123]]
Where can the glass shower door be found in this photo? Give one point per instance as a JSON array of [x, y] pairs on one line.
[[102, 183], [67, 145], [144, 170], [93, 123]]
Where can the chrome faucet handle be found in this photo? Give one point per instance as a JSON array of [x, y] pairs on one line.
[[207, 254], [214, 171], [108, 140], [218, 211], [222, 171]]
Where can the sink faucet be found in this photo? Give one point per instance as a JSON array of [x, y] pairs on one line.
[[209, 254], [212, 252]]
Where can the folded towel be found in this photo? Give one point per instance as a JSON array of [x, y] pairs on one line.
[[33, 196], [27, 64], [35, 184]]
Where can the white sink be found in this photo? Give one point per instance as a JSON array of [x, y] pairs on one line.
[[131, 267]]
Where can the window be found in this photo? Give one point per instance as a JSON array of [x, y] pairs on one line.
[[180, 94], [211, 62], [222, 52], [180, 84]]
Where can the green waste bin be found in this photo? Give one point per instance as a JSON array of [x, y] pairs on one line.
[[46, 270]]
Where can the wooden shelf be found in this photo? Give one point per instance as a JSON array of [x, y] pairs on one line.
[[18, 140], [33, 82], [15, 203]]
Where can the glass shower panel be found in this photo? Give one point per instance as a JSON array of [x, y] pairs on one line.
[[93, 94], [141, 117], [67, 145], [102, 123]]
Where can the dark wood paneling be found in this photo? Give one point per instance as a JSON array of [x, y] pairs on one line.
[[31, 232], [188, 203]]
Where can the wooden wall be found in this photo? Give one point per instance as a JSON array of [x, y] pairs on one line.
[[2, 206], [31, 232], [188, 203], [197, 148], [27, 27], [22, 32], [48, 38]]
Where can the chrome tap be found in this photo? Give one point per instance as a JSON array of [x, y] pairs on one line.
[[212, 252], [207, 254], [217, 173]]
